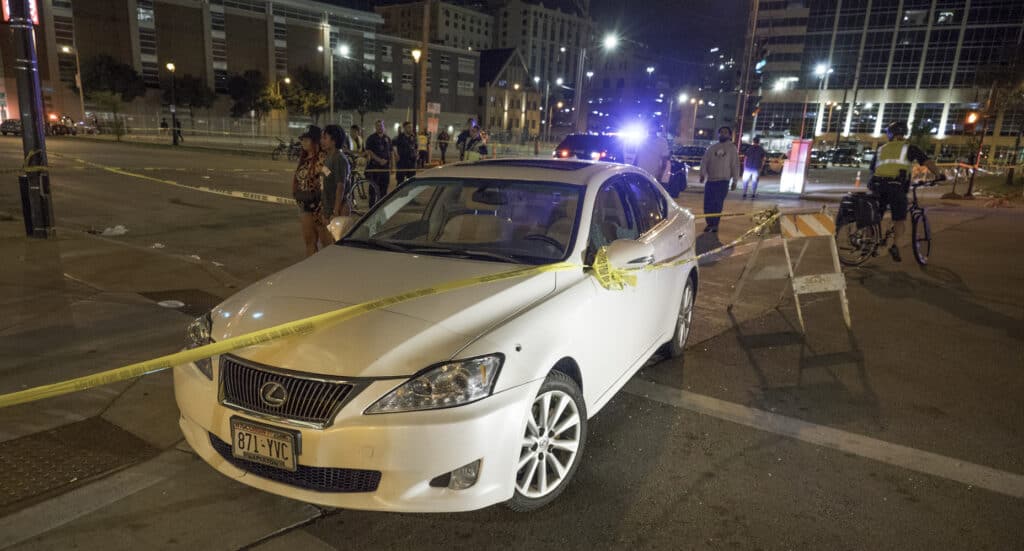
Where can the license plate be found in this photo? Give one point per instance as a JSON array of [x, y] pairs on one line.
[[263, 444]]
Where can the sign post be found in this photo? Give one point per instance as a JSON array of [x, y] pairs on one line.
[[36, 206]]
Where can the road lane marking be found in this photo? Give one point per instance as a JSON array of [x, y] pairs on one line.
[[1001, 482]]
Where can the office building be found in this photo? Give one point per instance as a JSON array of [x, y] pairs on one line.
[[450, 24], [843, 70]]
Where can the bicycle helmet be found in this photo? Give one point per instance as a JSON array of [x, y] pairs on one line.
[[896, 129]]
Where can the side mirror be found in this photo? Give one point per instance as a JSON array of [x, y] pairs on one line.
[[339, 225], [628, 253]]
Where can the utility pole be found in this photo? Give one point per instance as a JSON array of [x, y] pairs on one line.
[[741, 101], [36, 205], [420, 101]]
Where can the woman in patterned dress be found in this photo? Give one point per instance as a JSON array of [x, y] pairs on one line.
[[307, 189]]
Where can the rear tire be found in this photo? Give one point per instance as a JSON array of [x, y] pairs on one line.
[[856, 246], [921, 234], [552, 445]]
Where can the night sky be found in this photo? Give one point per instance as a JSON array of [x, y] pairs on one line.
[[681, 28]]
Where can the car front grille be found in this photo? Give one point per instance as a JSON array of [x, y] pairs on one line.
[[318, 479], [307, 400]]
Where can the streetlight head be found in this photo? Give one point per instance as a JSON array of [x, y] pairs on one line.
[[536, 80], [287, 80], [700, 102], [562, 49], [611, 42], [515, 86], [820, 70], [590, 74], [683, 98], [416, 54], [561, 105], [170, 67], [344, 50], [559, 81], [320, 49], [693, 101], [66, 49], [650, 69]]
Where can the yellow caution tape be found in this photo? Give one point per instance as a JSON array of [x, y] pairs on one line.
[[298, 327]]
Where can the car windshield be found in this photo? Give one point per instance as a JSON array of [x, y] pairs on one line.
[[497, 220], [588, 142]]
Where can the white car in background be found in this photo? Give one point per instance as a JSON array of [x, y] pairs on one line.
[[459, 400]]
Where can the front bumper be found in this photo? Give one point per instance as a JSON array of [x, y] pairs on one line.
[[408, 449]]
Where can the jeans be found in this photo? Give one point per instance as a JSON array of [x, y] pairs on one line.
[[378, 182], [714, 199], [750, 175]]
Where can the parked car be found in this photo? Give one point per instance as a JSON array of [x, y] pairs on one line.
[[11, 127], [818, 159], [776, 161], [591, 147], [688, 155], [60, 125], [451, 401], [867, 156], [845, 156]]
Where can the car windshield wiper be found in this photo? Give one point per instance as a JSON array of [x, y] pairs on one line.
[[470, 253], [378, 244]]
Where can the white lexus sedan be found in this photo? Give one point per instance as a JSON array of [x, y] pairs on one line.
[[456, 400]]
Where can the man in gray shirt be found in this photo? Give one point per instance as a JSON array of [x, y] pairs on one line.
[[336, 172], [720, 163]]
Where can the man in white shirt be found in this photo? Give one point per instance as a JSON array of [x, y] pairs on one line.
[[653, 156], [720, 163]]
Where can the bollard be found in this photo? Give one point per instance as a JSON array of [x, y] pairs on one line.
[[856, 183]]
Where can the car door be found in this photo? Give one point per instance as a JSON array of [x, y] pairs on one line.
[[666, 231], [614, 326]]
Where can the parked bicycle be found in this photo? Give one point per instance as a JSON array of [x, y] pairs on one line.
[[859, 227], [356, 196], [291, 150]]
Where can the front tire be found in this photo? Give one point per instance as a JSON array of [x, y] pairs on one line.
[[677, 345], [921, 234], [552, 444]]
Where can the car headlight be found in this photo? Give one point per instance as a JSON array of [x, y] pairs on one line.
[[198, 334], [447, 385]]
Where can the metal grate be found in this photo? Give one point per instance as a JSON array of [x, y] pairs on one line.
[[319, 479], [306, 400]]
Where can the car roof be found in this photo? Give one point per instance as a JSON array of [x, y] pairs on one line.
[[564, 171]]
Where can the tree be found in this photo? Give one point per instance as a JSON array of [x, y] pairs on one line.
[[251, 93], [363, 91], [921, 135], [109, 83], [1005, 80], [306, 94], [189, 91]]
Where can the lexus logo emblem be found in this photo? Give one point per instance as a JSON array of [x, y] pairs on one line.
[[273, 394]]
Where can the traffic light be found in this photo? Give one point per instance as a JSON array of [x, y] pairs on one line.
[[970, 122]]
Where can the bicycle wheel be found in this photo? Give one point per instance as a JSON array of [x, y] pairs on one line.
[[921, 233], [275, 154], [856, 245]]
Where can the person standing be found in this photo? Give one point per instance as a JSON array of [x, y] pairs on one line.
[[307, 189], [355, 135], [653, 157], [177, 130], [379, 151], [460, 142], [719, 164], [443, 137], [423, 145], [336, 173], [753, 164], [475, 147], [405, 147]]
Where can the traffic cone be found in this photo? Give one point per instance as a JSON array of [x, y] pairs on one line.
[[856, 183]]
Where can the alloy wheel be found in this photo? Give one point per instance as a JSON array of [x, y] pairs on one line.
[[550, 444]]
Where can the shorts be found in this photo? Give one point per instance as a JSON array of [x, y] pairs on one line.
[[314, 207], [892, 196]]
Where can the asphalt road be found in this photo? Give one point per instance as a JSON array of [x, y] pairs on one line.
[[758, 438]]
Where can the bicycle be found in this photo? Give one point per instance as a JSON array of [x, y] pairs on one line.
[[291, 150], [357, 187], [859, 227]]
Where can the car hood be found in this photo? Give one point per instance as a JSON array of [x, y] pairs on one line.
[[395, 341]]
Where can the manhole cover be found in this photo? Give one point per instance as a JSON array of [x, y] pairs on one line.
[[41, 465], [190, 301]]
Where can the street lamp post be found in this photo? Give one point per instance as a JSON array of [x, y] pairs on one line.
[[78, 75], [174, 115], [696, 103], [670, 127], [416, 54]]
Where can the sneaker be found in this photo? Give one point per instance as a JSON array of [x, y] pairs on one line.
[[707, 229], [713, 229], [894, 251], [752, 197]]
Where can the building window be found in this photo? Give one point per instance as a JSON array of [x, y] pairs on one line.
[[465, 88], [385, 53], [386, 77], [465, 65], [443, 81], [406, 81]]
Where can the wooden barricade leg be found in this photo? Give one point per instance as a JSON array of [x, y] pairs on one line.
[[842, 292], [799, 258], [796, 295], [744, 274]]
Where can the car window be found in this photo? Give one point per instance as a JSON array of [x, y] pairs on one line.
[[649, 203], [612, 219]]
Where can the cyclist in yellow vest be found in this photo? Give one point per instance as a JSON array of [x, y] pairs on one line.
[[890, 178]]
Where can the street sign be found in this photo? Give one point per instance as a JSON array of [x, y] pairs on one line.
[[434, 108]]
